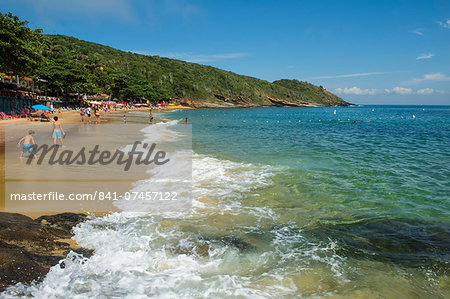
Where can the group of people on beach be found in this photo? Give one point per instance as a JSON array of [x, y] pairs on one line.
[[150, 118], [87, 111], [58, 134]]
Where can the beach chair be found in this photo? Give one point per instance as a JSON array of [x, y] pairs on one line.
[[4, 116], [18, 115]]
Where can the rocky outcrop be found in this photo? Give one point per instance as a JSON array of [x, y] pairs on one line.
[[281, 102], [207, 104], [221, 97], [28, 248], [240, 101]]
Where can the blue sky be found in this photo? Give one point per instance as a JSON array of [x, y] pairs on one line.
[[368, 52]]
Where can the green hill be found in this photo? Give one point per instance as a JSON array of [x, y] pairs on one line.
[[75, 66]]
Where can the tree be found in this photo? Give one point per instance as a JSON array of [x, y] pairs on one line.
[[19, 46], [67, 76]]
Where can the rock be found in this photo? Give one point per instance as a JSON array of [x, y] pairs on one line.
[[18, 265], [199, 250], [221, 97], [28, 248], [202, 247], [61, 225], [280, 102], [236, 242], [207, 104], [411, 243]]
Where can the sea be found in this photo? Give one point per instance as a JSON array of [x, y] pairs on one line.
[[313, 202]]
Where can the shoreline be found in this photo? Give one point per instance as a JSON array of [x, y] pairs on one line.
[[24, 234], [70, 117]]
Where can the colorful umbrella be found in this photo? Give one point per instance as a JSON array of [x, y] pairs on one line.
[[41, 107]]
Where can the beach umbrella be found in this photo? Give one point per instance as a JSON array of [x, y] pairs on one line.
[[41, 107]]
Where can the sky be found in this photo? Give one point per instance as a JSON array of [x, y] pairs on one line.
[[367, 52]]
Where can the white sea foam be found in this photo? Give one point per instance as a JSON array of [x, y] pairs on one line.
[[227, 179]]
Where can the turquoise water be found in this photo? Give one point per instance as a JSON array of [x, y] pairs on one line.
[[379, 187], [287, 203], [393, 166]]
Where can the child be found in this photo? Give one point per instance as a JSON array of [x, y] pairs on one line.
[[28, 142], [151, 116], [58, 131], [124, 119]]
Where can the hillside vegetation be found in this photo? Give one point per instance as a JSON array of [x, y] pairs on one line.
[[77, 66]]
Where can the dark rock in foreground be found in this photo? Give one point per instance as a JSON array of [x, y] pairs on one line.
[[411, 243], [28, 248]]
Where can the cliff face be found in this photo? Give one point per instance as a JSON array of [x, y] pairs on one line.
[[311, 94], [85, 67]]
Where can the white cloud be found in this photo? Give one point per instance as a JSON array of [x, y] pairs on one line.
[[196, 58], [429, 77], [425, 56], [445, 24], [418, 31], [357, 91], [400, 90], [396, 90], [427, 91], [350, 75]]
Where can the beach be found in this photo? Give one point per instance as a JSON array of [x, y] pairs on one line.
[[49, 221], [69, 118]]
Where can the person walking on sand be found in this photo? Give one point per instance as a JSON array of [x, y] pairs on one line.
[[58, 131], [82, 112], [88, 113], [151, 116], [28, 143], [97, 115], [124, 119]]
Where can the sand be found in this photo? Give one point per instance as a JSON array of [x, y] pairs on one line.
[[67, 118]]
